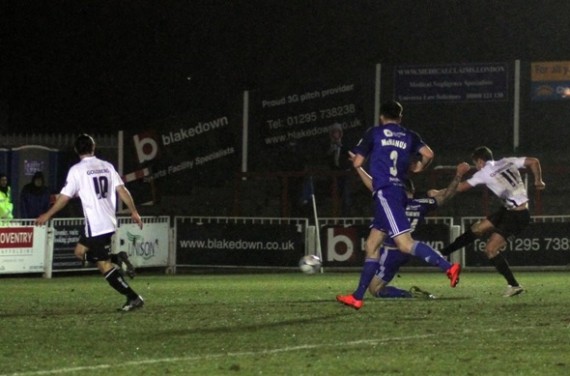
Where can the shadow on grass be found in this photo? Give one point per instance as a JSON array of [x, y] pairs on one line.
[[449, 298], [45, 314], [225, 329], [165, 308]]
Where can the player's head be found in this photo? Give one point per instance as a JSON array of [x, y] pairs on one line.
[[84, 144], [3, 183], [391, 111], [481, 155], [335, 132], [38, 179]]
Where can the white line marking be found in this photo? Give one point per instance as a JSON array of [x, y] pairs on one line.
[[245, 353]]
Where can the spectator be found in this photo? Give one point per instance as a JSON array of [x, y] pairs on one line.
[[6, 205], [35, 197], [338, 161]]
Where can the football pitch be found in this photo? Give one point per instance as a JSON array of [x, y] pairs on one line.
[[284, 324]]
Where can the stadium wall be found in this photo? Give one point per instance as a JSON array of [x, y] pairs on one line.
[[254, 243]]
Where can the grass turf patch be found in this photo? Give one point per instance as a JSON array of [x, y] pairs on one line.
[[284, 324]]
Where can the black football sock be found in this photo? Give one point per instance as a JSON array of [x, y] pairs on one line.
[[502, 266], [461, 241], [116, 280]]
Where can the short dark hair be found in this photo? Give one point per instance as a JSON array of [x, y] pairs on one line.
[[84, 144], [482, 152], [391, 110]]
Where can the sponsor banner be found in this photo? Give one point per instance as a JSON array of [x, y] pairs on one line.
[[67, 233], [145, 247], [549, 79], [22, 249], [176, 155], [289, 127], [233, 244], [344, 245], [541, 244], [477, 82]]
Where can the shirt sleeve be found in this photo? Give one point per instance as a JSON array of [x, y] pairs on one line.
[[417, 142], [518, 161], [71, 186], [476, 179], [117, 181]]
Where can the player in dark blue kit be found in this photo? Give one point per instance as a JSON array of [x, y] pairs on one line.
[[390, 148], [391, 259]]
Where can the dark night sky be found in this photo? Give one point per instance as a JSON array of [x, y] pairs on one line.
[[105, 65]]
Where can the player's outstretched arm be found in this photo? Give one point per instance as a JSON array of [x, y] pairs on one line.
[[534, 165], [366, 179], [456, 185], [127, 199], [59, 204], [444, 195]]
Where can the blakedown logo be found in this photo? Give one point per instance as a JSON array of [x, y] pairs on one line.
[[147, 143]]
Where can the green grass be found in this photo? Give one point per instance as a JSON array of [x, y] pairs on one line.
[[284, 324]]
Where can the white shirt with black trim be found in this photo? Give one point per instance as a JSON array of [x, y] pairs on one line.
[[95, 182], [503, 178]]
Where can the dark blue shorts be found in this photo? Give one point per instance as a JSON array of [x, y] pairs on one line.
[[510, 223], [98, 247], [390, 213]]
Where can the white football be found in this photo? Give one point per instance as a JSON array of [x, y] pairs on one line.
[[310, 264]]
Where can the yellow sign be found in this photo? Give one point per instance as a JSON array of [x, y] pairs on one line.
[[550, 71]]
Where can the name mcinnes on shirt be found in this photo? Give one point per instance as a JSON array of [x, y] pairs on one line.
[[101, 171], [396, 143]]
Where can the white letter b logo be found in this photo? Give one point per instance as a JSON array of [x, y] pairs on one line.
[[340, 243], [146, 148]]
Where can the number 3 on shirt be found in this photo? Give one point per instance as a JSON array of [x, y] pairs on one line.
[[394, 159], [101, 184]]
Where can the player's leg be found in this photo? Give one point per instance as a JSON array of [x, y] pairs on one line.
[[510, 224], [389, 203], [124, 258], [407, 244], [100, 253], [390, 262], [80, 250], [372, 247], [475, 231], [495, 243], [421, 250]]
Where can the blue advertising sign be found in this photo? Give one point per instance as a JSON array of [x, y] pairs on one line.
[[482, 82], [540, 244], [290, 127], [239, 244], [176, 154]]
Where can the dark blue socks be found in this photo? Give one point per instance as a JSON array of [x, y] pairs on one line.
[[368, 271], [429, 255]]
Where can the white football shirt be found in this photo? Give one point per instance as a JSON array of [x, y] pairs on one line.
[[504, 179], [95, 182]]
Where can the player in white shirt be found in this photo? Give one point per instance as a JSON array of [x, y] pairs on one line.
[[502, 177], [97, 183]]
